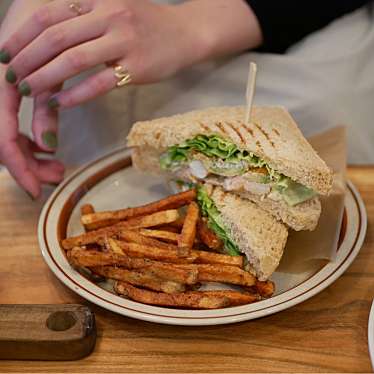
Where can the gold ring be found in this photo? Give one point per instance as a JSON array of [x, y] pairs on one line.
[[123, 75], [76, 8]]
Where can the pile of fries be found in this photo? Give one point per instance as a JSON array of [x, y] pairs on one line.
[[159, 256]]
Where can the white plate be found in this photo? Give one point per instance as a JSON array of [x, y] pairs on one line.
[[111, 183]]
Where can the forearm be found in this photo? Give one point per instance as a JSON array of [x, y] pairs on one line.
[[223, 27]]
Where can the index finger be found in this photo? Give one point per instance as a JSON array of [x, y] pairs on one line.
[[43, 18]]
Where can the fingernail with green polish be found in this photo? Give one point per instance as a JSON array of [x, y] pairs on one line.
[[4, 57], [53, 103], [49, 139], [11, 76], [24, 89]]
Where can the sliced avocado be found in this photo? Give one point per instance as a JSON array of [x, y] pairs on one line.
[[295, 193]]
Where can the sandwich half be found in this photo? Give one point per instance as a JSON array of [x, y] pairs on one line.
[[267, 161], [245, 228]]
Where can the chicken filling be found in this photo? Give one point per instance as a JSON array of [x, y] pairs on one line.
[[220, 162]]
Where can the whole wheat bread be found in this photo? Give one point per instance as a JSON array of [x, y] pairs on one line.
[[256, 232], [302, 216], [272, 135]]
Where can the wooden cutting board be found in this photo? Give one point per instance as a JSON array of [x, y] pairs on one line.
[[46, 332]]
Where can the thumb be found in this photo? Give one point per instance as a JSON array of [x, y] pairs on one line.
[[45, 123]]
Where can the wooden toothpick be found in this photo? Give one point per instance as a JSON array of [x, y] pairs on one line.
[[251, 84]]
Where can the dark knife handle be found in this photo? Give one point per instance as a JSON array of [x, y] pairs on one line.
[[46, 332]]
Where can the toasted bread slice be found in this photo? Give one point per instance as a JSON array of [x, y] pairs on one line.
[[256, 232], [302, 216], [272, 135]]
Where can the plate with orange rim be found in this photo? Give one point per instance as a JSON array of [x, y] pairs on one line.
[[112, 183]]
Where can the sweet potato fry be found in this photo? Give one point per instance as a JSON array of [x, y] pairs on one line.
[[236, 298], [154, 253], [151, 220], [93, 258], [265, 289], [87, 209], [91, 237], [225, 274], [204, 257], [170, 227], [187, 236], [193, 299], [222, 273], [133, 236], [167, 236], [170, 237], [208, 237], [140, 278], [97, 220], [114, 247]]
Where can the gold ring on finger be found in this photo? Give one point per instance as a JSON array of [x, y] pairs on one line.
[[76, 8], [122, 74]]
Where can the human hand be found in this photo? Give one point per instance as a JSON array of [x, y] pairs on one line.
[[55, 44], [151, 41], [17, 152]]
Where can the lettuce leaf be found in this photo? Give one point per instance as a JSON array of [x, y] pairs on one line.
[[229, 160], [173, 158], [210, 146], [209, 209]]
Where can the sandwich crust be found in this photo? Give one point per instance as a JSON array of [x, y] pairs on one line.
[[256, 232], [272, 135]]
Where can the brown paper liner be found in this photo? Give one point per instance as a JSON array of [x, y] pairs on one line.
[[304, 247]]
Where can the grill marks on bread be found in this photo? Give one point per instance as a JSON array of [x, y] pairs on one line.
[[221, 126], [237, 132], [276, 139], [267, 136], [204, 127]]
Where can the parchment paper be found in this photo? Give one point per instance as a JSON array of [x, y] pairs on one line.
[[321, 244]]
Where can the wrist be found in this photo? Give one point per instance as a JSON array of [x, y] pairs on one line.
[[219, 27]]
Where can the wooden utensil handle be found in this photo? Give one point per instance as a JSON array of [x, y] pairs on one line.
[[46, 332]]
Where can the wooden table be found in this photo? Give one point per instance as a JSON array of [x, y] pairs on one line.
[[327, 333]]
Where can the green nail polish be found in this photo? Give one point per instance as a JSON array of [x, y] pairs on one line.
[[4, 57], [24, 88], [53, 103], [11, 76], [49, 139]]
